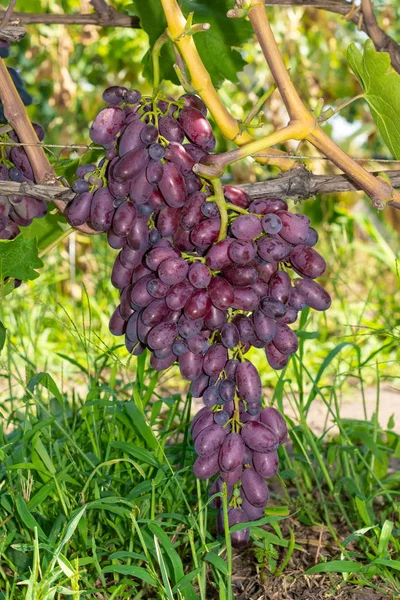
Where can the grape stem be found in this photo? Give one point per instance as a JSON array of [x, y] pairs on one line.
[[221, 203], [203, 86], [258, 105], [155, 57]]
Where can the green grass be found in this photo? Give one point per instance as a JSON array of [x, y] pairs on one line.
[[96, 490]]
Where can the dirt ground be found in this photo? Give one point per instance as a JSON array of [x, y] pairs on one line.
[[252, 582]]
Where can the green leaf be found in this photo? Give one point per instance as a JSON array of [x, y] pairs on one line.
[[27, 518], [221, 40], [381, 85], [138, 572], [217, 561], [3, 336], [45, 230], [336, 566], [19, 258], [140, 453]]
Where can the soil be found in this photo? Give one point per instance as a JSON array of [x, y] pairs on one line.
[[253, 582]]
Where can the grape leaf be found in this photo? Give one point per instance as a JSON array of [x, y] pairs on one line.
[[19, 258], [381, 85], [45, 230], [217, 46]]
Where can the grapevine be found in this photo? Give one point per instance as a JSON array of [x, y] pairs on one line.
[[203, 274]]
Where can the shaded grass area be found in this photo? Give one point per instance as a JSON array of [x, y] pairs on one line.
[[97, 498]]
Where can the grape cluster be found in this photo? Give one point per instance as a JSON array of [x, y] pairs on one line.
[[193, 296], [18, 210]]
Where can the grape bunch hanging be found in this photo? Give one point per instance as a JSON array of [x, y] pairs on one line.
[[192, 296], [17, 210]]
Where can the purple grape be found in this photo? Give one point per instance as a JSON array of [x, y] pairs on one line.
[[297, 299], [191, 213], [259, 437], [195, 102], [199, 275], [294, 227], [78, 211], [15, 174], [120, 276], [285, 339], [131, 164], [173, 270], [199, 385], [264, 327], [221, 417], [114, 95], [198, 305], [217, 257], [117, 324], [172, 186], [209, 440], [271, 417], [276, 359], [133, 96], [266, 465], [197, 128], [280, 286], [248, 382], [190, 365], [254, 487], [306, 261], [130, 138], [162, 335], [215, 319], [156, 151], [246, 227], [221, 293], [227, 390], [138, 236], [240, 275], [154, 171], [271, 224], [157, 288], [206, 466], [102, 210], [242, 252], [171, 129], [273, 248], [106, 125], [245, 298], [123, 218], [231, 452], [210, 210], [139, 295], [155, 312], [229, 335], [215, 360], [237, 196], [149, 134], [179, 348], [83, 169], [315, 295], [177, 154], [272, 308], [205, 233], [211, 396], [252, 512], [178, 295]]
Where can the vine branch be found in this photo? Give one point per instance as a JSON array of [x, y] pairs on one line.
[[117, 19], [379, 191], [298, 184], [381, 40]]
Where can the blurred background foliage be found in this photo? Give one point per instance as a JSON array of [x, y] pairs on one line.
[[67, 68]]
